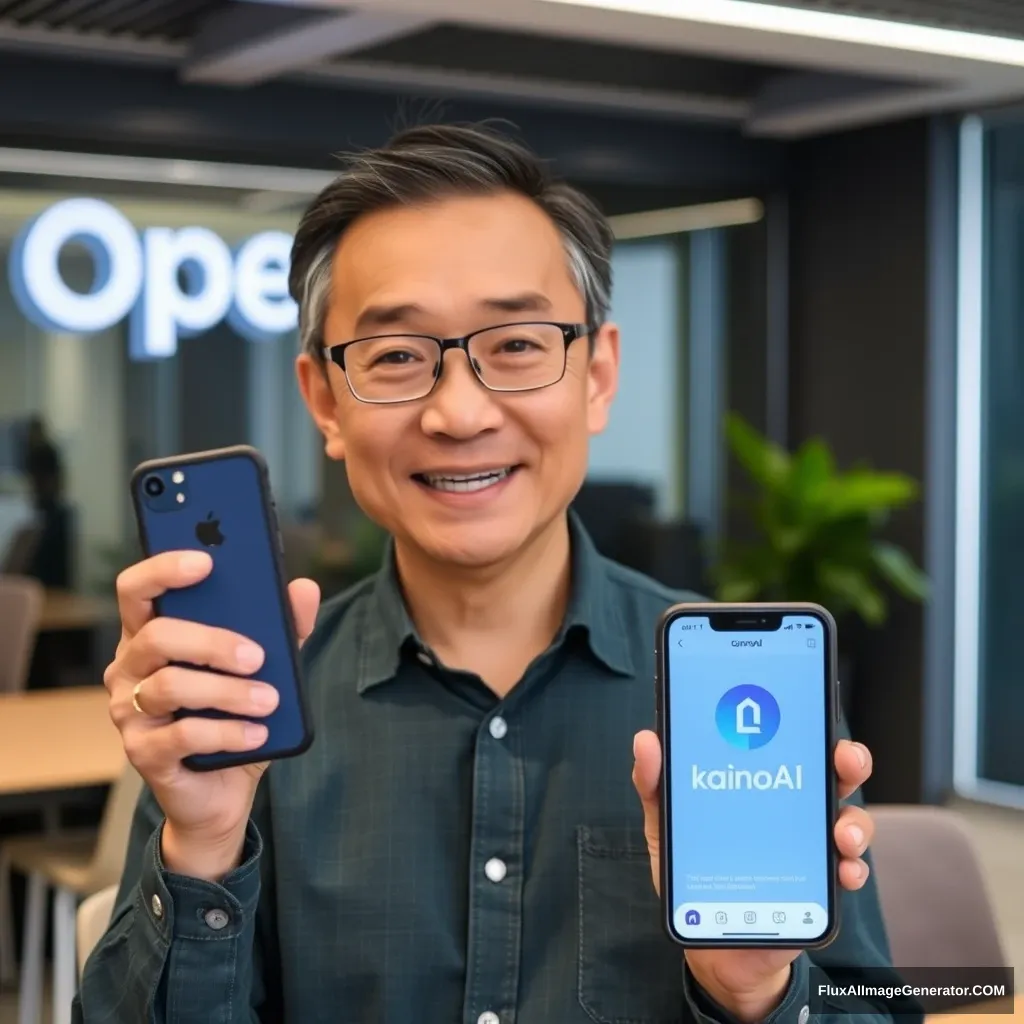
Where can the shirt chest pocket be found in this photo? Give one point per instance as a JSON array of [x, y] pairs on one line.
[[629, 972]]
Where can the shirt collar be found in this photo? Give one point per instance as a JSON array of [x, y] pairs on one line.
[[594, 614]]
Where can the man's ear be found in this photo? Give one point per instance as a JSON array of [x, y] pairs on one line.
[[315, 384], [602, 376]]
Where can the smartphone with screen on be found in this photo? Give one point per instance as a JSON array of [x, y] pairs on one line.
[[748, 711], [221, 502]]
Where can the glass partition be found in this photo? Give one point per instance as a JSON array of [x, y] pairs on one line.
[[990, 426]]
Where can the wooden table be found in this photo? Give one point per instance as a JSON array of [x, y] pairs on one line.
[[975, 1018], [57, 739], [65, 610]]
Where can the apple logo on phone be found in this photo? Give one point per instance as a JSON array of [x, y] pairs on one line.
[[208, 532]]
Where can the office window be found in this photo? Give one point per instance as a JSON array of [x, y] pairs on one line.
[[642, 444]]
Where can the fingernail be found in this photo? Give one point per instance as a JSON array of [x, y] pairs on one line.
[[193, 562], [856, 835], [248, 657], [255, 734], [862, 754], [636, 743], [264, 698]]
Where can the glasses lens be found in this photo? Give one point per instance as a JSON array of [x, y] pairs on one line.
[[393, 369], [519, 357]]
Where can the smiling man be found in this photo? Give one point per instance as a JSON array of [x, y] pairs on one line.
[[464, 841]]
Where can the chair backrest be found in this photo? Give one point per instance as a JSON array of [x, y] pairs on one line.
[[936, 908], [92, 921], [107, 863], [21, 606]]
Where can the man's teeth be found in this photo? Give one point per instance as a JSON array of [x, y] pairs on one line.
[[476, 482]]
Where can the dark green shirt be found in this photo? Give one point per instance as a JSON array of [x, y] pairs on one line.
[[439, 855]]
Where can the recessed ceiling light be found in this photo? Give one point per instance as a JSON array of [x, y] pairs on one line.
[[846, 28]]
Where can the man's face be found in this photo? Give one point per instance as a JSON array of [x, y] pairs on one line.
[[446, 269]]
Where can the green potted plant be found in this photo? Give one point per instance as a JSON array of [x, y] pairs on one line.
[[816, 533]]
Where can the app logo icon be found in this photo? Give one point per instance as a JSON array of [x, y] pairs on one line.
[[692, 917], [747, 717], [721, 917], [749, 916], [779, 916]]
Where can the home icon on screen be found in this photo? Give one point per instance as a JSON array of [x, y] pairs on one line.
[[748, 717], [692, 917]]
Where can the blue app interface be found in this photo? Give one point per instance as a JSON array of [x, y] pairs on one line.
[[748, 757]]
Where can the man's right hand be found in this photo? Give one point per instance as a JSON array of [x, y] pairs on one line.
[[206, 812]]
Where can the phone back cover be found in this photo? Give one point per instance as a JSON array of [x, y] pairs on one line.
[[244, 593]]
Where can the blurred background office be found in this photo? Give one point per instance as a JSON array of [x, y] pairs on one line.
[[819, 218]]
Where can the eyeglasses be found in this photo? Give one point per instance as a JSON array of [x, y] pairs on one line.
[[405, 367]]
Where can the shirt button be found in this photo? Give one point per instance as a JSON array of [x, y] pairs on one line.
[[216, 918], [498, 727], [495, 870], [157, 905], [488, 1018], [804, 1014]]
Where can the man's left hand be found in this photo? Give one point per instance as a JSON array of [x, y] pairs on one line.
[[750, 983]]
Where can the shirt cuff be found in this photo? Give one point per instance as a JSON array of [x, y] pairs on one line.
[[177, 907], [793, 1009]]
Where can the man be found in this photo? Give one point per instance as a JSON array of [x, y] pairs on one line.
[[463, 842]]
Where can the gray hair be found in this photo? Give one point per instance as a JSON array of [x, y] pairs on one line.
[[430, 162]]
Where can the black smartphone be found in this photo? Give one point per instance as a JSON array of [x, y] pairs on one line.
[[747, 714], [221, 502]]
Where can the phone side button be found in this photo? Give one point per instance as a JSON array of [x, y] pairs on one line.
[[839, 702]]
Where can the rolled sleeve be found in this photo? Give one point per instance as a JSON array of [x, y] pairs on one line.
[[793, 1009]]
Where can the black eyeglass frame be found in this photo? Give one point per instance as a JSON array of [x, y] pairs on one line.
[[570, 333]]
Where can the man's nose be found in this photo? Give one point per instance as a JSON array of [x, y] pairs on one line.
[[460, 406]]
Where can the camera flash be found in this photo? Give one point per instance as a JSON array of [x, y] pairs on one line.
[[178, 477], [181, 497]]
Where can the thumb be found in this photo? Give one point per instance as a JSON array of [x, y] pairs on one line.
[[647, 768], [647, 779], [305, 596]]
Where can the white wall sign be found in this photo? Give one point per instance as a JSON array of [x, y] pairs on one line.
[[141, 276]]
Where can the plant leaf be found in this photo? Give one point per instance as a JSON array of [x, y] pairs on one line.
[[764, 460], [898, 569], [862, 492], [814, 466], [853, 587]]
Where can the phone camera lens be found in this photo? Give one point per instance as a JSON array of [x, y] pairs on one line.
[[154, 486]]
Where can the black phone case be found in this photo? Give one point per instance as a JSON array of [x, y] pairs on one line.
[[832, 712]]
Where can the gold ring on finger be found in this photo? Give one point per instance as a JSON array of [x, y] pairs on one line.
[[135, 699]]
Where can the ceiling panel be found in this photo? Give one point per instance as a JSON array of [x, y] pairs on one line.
[[457, 47]]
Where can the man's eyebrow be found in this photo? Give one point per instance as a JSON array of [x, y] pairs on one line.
[[525, 302], [384, 316], [387, 316]]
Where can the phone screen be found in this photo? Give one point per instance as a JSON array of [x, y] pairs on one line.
[[748, 780]]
